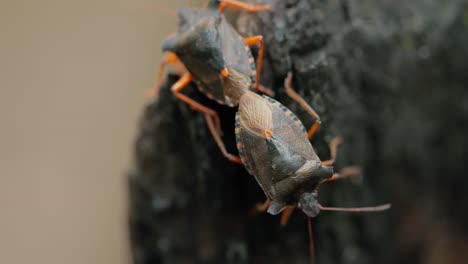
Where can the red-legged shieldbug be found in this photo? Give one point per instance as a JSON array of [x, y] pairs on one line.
[[275, 149], [215, 55]]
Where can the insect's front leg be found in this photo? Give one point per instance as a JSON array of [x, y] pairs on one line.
[[211, 117], [180, 85], [241, 5]]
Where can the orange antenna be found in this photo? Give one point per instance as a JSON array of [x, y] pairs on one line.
[[311, 241], [356, 209]]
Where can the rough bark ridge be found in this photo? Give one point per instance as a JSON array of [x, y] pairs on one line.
[[390, 77]]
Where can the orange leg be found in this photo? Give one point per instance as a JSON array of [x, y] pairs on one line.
[[169, 59], [211, 117], [260, 207], [354, 172], [241, 5], [181, 84], [334, 143], [286, 214], [263, 207], [219, 141], [265, 90], [253, 41], [296, 97]]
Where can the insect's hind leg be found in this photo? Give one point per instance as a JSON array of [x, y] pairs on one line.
[[333, 145], [181, 84], [241, 5], [346, 172], [296, 97], [261, 50]]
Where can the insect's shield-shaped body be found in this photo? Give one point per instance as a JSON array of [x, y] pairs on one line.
[[207, 44], [274, 148]]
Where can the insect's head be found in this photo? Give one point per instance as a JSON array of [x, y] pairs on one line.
[[316, 173], [309, 204]]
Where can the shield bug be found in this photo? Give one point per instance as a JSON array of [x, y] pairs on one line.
[[274, 147], [216, 58]]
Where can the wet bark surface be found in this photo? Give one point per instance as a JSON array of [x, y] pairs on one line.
[[389, 76]]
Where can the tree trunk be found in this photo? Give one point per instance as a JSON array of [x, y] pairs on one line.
[[391, 77]]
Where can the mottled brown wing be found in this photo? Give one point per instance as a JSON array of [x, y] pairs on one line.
[[253, 152], [290, 130]]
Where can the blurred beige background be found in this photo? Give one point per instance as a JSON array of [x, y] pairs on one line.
[[72, 79]]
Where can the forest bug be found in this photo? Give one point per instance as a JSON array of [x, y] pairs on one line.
[[274, 147]]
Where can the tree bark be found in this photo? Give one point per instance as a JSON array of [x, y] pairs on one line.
[[389, 76]]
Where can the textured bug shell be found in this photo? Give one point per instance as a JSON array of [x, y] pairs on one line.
[[277, 161], [206, 43]]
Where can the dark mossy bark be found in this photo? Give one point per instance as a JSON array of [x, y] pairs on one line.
[[391, 77]]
